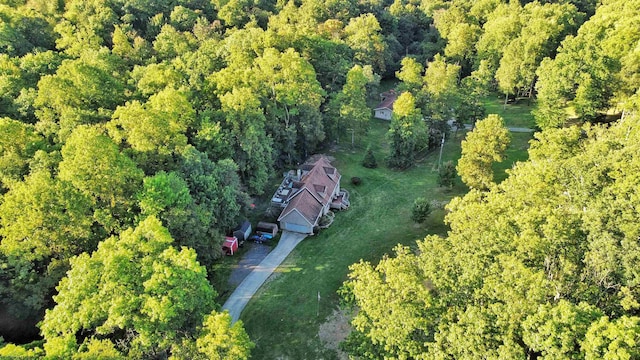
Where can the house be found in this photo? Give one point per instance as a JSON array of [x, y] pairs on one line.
[[308, 194], [384, 110]]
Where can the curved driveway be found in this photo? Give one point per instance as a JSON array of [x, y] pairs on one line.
[[243, 293]]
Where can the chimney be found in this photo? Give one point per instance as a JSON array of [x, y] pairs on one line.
[[299, 175]]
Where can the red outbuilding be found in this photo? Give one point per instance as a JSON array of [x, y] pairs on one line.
[[230, 245]]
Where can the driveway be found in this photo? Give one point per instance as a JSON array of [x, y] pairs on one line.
[[248, 287], [452, 124]]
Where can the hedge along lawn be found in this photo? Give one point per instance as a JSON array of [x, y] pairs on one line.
[[284, 316], [514, 114]]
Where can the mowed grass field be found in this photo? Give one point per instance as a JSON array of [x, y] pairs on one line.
[[284, 317], [515, 114]]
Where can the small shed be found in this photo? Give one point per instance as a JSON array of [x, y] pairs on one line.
[[384, 110], [267, 228], [230, 245], [243, 231]]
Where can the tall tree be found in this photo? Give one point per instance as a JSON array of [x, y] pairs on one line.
[[354, 111], [18, 144], [93, 164], [364, 37], [218, 198], [587, 73], [44, 222], [482, 147], [407, 134], [156, 130], [136, 291], [253, 148], [82, 91]]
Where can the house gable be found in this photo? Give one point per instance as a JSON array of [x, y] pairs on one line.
[[295, 217], [318, 184]]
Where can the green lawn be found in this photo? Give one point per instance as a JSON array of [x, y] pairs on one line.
[[517, 151], [515, 114], [283, 318]]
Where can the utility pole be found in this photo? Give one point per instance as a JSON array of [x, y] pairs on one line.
[[353, 132], [441, 146]]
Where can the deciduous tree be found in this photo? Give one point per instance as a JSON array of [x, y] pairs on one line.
[[136, 291], [482, 147]]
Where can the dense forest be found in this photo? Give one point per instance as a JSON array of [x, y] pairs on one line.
[[133, 135]]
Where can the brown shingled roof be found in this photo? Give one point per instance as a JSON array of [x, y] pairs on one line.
[[319, 184], [387, 103], [307, 204]]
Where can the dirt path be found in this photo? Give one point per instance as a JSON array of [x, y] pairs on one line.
[[243, 293]]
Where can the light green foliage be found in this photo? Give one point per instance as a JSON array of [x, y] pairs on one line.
[[23, 30], [98, 349], [136, 291], [592, 71], [156, 130], [354, 111], [170, 43], [410, 74], [502, 26], [166, 196], [162, 192], [18, 144], [154, 78], [92, 163], [407, 133], [216, 339], [220, 339], [482, 147], [543, 27], [44, 222], [557, 331], [394, 303], [85, 26], [11, 351], [290, 98], [617, 339], [82, 91], [544, 263], [43, 218], [363, 36], [441, 87]]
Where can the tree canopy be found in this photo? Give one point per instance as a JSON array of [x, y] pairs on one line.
[[114, 112], [541, 265]]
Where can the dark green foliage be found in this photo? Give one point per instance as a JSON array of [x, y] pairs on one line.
[[356, 180], [420, 210], [369, 160], [447, 174]]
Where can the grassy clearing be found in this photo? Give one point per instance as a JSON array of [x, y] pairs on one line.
[[515, 114], [284, 317]]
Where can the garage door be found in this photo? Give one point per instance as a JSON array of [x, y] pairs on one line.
[[297, 228]]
